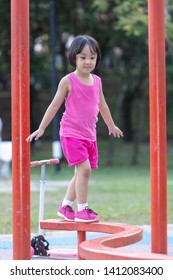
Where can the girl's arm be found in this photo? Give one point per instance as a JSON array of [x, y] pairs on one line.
[[106, 115], [61, 94]]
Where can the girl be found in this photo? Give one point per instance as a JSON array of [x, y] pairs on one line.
[[84, 99]]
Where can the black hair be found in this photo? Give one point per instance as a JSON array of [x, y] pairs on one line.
[[79, 43]]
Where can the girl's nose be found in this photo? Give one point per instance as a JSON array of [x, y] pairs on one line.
[[88, 60]]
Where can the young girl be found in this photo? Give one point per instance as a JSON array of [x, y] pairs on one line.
[[84, 99]]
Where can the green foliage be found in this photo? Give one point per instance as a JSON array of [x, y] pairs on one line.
[[132, 18], [101, 4], [169, 18], [5, 45]]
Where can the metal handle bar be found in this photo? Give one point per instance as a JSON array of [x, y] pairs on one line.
[[45, 161]]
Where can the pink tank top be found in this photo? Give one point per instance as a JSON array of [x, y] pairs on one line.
[[81, 109]]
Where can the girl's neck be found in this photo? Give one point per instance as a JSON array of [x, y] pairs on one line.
[[86, 78]]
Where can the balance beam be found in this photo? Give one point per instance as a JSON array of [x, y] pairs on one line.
[[104, 248]]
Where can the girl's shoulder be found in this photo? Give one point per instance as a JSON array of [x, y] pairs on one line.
[[97, 78], [65, 83], [65, 80]]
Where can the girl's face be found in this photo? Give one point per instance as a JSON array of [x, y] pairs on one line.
[[86, 60]]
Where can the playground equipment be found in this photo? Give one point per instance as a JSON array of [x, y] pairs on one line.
[[39, 245], [21, 117], [43, 164], [120, 234], [107, 247]]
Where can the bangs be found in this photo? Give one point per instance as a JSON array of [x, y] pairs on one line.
[[88, 43], [92, 48]]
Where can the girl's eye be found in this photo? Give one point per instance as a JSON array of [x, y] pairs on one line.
[[83, 57]]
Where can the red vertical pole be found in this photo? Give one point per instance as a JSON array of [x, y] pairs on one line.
[[158, 159], [81, 236], [20, 128]]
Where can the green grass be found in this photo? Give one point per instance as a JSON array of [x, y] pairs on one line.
[[119, 193]]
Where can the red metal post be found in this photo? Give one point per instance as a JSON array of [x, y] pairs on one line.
[[158, 146], [20, 128], [81, 236]]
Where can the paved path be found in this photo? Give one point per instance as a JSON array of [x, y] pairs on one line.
[[6, 185]]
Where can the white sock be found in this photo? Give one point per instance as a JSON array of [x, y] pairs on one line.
[[67, 202], [82, 206]]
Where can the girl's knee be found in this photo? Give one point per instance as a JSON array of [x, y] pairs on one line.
[[87, 171], [84, 168]]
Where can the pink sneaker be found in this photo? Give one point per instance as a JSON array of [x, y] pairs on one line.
[[87, 216], [66, 212]]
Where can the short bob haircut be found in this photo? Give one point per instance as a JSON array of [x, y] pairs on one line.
[[79, 43]]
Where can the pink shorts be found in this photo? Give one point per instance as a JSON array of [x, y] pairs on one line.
[[79, 150]]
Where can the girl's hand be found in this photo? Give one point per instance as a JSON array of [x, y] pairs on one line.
[[115, 131], [35, 135]]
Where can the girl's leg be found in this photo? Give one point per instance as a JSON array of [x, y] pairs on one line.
[[83, 171], [71, 192], [65, 210], [78, 186], [84, 214]]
